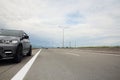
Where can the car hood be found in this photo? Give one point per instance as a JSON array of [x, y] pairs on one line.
[[9, 38]]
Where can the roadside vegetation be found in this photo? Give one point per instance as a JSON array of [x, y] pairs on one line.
[[100, 47]]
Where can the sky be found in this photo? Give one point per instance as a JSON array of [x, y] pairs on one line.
[[85, 22]]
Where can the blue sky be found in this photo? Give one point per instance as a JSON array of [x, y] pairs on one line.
[[86, 22], [73, 18]]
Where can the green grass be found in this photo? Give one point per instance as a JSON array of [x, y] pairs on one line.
[[100, 47]]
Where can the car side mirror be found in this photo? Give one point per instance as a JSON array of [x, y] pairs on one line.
[[26, 37]]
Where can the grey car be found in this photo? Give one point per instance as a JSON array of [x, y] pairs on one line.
[[14, 44]]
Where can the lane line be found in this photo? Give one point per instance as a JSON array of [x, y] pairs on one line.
[[73, 54], [21, 74]]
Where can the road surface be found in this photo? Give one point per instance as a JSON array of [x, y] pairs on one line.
[[67, 64]]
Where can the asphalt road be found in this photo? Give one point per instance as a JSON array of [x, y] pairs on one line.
[[68, 64], [8, 68]]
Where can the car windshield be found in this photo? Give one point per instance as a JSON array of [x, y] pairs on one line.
[[10, 33]]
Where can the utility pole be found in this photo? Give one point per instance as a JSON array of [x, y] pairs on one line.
[[70, 44], [75, 44], [63, 39], [63, 36]]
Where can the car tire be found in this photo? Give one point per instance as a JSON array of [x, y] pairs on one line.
[[30, 52], [19, 55]]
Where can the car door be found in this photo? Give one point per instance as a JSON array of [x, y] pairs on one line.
[[26, 43]]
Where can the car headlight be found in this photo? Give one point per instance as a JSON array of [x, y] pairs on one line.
[[14, 41]]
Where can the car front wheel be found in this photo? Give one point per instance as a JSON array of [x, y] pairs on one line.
[[19, 55], [30, 52]]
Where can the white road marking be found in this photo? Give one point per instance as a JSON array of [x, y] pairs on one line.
[[21, 74], [73, 54]]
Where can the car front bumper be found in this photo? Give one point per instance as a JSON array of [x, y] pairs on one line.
[[7, 50]]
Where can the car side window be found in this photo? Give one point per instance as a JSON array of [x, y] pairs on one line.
[[25, 35]]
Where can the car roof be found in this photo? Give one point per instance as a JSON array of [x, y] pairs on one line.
[[12, 30]]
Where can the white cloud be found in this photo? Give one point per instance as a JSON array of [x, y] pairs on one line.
[[39, 17]]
